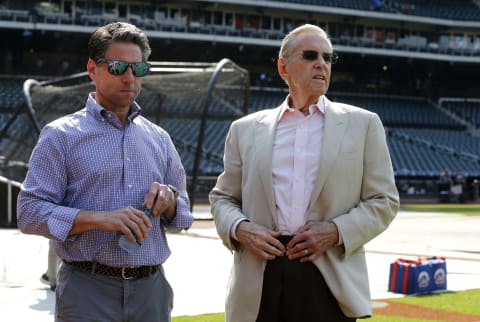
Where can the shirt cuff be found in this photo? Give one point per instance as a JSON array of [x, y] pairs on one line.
[[340, 238], [233, 230]]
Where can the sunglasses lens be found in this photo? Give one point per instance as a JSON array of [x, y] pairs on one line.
[[310, 54], [116, 67], [140, 69], [327, 58], [330, 58]]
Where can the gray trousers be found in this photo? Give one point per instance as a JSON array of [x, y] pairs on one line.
[[83, 296]]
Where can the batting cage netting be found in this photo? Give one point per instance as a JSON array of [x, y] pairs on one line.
[[194, 102]]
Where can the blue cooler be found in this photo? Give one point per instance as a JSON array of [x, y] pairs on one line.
[[421, 276]]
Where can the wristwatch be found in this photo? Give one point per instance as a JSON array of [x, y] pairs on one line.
[[174, 190]]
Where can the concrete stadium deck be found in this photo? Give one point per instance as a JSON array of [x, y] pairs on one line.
[[199, 267]]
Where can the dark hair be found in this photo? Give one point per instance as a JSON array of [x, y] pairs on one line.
[[103, 37]]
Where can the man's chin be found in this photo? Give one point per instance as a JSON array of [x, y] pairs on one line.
[[129, 99]]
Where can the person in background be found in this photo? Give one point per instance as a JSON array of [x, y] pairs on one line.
[[305, 186], [445, 177], [54, 262], [444, 186], [458, 187], [104, 183]]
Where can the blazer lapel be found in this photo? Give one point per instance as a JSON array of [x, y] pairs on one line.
[[264, 137], [336, 121]]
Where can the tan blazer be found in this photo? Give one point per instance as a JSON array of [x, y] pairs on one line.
[[354, 187]]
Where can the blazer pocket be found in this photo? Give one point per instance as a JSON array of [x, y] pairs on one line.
[[350, 155], [350, 149]]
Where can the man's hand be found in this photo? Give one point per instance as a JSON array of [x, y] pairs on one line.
[[132, 222], [312, 240], [259, 240], [160, 198]]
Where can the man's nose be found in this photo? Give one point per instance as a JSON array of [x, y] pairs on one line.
[[128, 75]]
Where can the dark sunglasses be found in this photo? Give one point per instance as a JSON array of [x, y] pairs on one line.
[[118, 67], [329, 58]]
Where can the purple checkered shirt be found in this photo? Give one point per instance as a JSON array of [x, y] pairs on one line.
[[90, 161]]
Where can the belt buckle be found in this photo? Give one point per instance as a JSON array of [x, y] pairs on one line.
[[124, 276]]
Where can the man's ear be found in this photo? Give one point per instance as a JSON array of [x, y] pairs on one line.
[[91, 69], [282, 67]]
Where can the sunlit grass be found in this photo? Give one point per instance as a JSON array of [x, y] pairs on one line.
[[218, 317], [467, 302], [460, 302], [464, 209]]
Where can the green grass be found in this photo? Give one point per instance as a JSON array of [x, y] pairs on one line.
[[462, 302], [218, 317], [463, 209], [393, 319]]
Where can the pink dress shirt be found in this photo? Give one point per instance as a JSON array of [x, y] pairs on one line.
[[295, 161], [296, 158]]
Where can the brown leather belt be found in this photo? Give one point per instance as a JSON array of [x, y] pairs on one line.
[[125, 273]]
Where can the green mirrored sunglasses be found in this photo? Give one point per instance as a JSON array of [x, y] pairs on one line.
[[119, 67]]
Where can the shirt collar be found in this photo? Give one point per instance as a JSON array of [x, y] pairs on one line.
[[320, 106], [99, 111]]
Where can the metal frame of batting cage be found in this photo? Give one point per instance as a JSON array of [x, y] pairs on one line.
[[224, 65]]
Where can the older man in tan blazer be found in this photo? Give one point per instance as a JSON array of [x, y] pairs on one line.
[[305, 186]]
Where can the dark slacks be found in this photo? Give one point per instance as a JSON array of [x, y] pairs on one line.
[[295, 291]]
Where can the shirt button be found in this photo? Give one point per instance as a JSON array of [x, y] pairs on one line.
[[128, 159], [130, 186]]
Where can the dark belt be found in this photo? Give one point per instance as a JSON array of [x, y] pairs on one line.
[[126, 273]]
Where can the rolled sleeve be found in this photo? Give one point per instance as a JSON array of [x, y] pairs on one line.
[[176, 176], [61, 222], [183, 218]]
